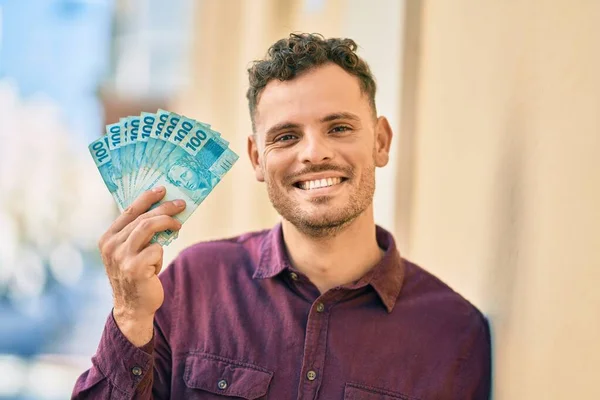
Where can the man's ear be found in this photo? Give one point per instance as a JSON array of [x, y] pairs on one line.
[[383, 141], [253, 154]]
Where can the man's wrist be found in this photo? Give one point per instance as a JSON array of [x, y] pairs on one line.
[[139, 330]]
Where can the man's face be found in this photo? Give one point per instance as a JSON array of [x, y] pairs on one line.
[[317, 145], [184, 177]]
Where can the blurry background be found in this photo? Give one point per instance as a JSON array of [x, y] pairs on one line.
[[493, 185]]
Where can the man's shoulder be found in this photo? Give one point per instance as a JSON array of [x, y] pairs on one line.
[[437, 299]]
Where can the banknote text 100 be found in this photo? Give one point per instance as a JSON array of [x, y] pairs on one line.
[[100, 151], [170, 128], [163, 119], [147, 127], [186, 127], [115, 135], [196, 140], [135, 125]]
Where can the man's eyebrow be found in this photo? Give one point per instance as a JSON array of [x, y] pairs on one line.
[[340, 115], [280, 127]]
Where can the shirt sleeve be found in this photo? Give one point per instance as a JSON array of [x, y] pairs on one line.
[[476, 369], [120, 370]]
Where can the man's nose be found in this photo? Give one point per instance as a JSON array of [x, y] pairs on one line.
[[315, 149]]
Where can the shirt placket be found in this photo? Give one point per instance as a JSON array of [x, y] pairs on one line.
[[315, 346]]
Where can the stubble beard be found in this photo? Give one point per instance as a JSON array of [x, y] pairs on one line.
[[334, 221]]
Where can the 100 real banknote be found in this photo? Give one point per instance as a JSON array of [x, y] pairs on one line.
[[162, 149]]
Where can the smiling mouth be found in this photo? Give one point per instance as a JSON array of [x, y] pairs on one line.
[[319, 183]]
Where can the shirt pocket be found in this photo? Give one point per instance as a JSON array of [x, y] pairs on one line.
[[355, 391], [207, 373]]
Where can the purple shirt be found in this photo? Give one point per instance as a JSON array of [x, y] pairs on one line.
[[239, 322]]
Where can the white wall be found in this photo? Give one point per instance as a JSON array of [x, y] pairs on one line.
[[377, 27], [506, 202]]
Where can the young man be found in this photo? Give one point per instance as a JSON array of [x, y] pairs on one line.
[[320, 307]]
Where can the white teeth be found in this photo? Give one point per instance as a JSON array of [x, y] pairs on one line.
[[319, 183]]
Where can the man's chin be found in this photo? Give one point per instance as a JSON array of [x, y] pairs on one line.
[[320, 230], [324, 210], [319, 224]]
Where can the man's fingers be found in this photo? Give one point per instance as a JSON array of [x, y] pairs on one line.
[[137, 208], [156, 253], [146, 228], [148, 261], [169, 208]]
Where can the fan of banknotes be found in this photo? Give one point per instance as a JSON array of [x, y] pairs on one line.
[[162, 149]]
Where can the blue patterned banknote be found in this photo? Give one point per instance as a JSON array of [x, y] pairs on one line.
[[165, 149]]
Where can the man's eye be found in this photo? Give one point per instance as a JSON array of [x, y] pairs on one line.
[[340, 129], [285, 138]]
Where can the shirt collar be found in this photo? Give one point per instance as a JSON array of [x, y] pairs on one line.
[[386, 277]]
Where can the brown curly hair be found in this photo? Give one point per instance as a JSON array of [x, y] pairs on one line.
[[300, 52]]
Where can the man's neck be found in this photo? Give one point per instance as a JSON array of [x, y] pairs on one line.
[[338, 260]]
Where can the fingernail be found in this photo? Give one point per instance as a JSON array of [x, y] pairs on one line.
[[158, 189], [179, 203]]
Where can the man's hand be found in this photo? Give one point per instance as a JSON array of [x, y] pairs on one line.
[[132, 264]]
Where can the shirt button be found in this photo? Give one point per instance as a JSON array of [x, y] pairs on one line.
[[222, 384], [294, 276], [320, 307], [311, 375], [137, 371]]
